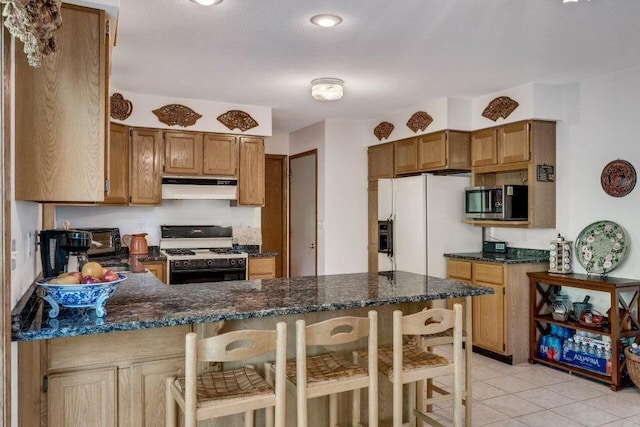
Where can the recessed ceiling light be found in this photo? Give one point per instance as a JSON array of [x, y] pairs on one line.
[[325, 20], [207, 2], [327, 89]]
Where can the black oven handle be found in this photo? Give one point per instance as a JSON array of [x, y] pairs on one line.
[[204, 270]]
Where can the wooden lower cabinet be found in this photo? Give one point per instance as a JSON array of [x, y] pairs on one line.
[[500, 321], [262, 268], [85, 398], [158, 268]]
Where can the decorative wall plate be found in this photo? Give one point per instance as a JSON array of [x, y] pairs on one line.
[[601, 247], [618, 178], [501, 106], [176, 114], [237, 119], [419, 121], [383, 130], [121, 108]]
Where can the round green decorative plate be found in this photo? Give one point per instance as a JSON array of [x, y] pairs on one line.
[[601, 247]]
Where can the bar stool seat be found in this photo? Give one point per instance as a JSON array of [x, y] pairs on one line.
[[327, 367], [414, 358], [236, 384]]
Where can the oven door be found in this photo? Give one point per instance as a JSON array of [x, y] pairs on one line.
[[183, 277]]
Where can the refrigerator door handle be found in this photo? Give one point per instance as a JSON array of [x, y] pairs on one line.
[[390, 238]]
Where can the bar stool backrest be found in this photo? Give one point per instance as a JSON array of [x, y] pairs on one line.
[[426, 322], [236, 345]]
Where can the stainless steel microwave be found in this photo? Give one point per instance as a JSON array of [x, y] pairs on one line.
[[501, 202]]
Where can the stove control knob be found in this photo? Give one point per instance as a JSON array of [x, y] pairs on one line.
[[176, 263], [232, 262], [209, 262], [241, 261], [185, 263]]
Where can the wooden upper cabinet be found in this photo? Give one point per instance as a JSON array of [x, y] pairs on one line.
[[117, 166], [182, 153], [513, 143], [62, 115], [145, 180], [406, 156], [380, 161], [251, 171], [432, 151], [220, 155], [483, 148]]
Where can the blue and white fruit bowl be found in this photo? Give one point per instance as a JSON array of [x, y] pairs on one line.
[[90, 295]]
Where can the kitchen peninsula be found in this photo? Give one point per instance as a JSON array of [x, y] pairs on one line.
[[126, 355]]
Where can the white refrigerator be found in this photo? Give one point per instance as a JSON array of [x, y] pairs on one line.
[[427, 213]]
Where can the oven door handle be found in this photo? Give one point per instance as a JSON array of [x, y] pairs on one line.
[[200, 270]]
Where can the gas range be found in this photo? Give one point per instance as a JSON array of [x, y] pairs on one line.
[[197, 254]]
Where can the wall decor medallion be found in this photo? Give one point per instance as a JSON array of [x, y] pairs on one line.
[[383, 130], [176, 114], [501, 106], [237, 119], [618, 178], [419, 121], [121, 108]]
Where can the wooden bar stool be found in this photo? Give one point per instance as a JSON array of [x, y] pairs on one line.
[[330, 373], [408, 363], [217, 394]]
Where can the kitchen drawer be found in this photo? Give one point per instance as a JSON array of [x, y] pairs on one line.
[[262, 268], [488, 273], [459, 269]]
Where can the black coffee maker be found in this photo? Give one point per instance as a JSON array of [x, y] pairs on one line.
[[58, 247]]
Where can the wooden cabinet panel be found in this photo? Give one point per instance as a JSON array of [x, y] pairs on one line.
[[380, 161], [405, 154], [483, 148], [147, 391], [488, 320], [432, 151], [182, 153], [372, 246], [158, 268], [80, 399], [61, 114], [488, 273], [117, 165], [459, 270], [251, 171], [262, 268], [145, 181], [513, 143], [220, 155]]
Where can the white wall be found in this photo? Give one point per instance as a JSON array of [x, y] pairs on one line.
[[278, 143], [149, 219], [345, 209], [313, 138], [143, 106]]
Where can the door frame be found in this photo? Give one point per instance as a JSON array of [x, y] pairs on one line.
[[285, 209], [5, 224], [313, 152]]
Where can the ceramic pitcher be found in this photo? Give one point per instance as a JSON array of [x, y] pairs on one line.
[[137, 243]]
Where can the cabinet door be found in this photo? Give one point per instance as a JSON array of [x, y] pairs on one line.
[[145, 182], [513, 143], [61, 114], [483, 148], [80, 399], [262, 268], [251, 176], [220, 155], [146, 392], [182, 153], [117, 165], [380, 161], [488, 320], [432, 151], [158, 268], [405, 153]]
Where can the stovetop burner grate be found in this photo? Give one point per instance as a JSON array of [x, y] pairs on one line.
[[179, 252]]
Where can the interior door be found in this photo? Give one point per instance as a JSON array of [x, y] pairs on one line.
[[303, 214], [274, 212]]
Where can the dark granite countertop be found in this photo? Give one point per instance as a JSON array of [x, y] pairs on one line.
[[261, 254], [142, 301], [513, 256]]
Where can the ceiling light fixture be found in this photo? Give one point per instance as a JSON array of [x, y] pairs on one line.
[[327, 89], [207, 2], [326, 20]]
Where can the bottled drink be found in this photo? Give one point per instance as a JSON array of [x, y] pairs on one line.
[[607, 356]]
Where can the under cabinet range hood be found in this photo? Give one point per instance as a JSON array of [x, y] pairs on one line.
[[208, 188]]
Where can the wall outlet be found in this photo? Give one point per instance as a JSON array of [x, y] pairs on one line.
[[141, 225], [29, 244]]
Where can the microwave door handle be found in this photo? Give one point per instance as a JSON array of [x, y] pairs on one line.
[[490, 193]]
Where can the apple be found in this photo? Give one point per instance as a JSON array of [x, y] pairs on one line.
[[89, 279], [76, 274], [68, 280], [110, 276], [92, 269]]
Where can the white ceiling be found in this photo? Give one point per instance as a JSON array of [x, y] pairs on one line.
[[392, 55]]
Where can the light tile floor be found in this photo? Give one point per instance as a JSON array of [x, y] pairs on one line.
[[538, 395]]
